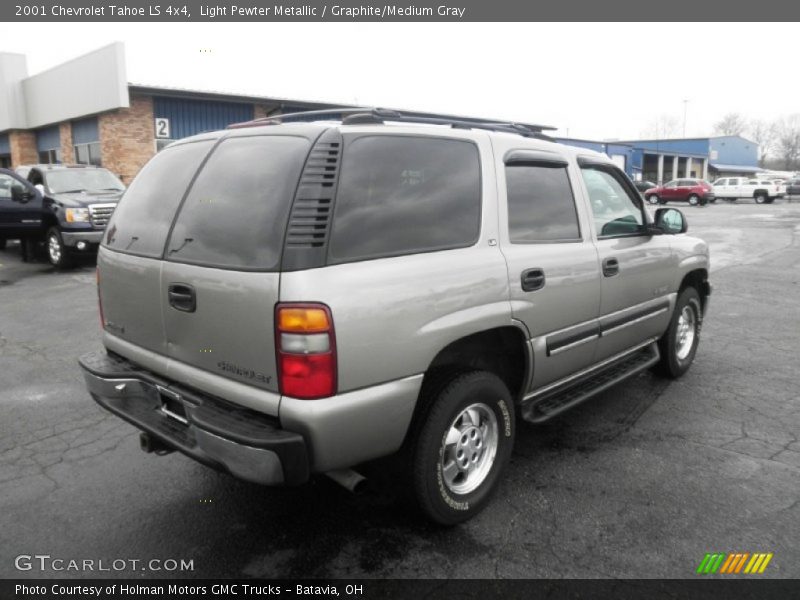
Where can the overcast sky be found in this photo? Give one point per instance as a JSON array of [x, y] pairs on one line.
[[592, 80]]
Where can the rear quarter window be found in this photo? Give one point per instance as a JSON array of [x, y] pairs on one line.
[[142, 219], [403, 195]]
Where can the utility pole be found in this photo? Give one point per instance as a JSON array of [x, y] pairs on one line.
[[685, 104]]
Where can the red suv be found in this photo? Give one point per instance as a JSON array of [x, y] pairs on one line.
[[693, 191]]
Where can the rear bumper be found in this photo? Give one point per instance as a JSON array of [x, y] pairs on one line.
[[71, 238], [247, 444]]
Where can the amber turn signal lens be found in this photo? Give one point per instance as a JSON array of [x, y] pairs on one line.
[[300, 319]]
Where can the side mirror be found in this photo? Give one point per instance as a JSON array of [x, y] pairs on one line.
[[20, 194], [671, 220]]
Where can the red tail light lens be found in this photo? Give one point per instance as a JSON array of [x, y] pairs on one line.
[[306, 350], [99, 299]]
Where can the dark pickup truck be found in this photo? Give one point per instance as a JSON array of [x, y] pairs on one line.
[[65, 208]]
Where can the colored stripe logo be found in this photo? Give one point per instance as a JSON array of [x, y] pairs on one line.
[[734, 563]]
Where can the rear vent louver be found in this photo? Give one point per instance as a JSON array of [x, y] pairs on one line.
[[311, 212]]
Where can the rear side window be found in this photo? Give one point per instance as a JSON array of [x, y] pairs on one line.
[[402, 195], [541, 207], [235, 214], [141, 222]]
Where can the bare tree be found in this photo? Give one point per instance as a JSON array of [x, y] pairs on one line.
[[762, 133], [662, 127], [730, 124], [788, 140]]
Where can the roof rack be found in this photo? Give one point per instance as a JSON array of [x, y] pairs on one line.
[[358, 116]]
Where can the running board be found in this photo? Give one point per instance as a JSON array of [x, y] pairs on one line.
[[555, 401]]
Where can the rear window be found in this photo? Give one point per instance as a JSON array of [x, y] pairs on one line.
[[402, 195], [141, 222], [235, 214]]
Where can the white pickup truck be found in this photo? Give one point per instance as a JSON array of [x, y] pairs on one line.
[[763, 191]]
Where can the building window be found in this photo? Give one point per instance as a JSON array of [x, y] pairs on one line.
[[162, 143], [88, 154], [50, 157]]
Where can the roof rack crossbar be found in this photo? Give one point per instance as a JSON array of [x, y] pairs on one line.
[[379, 115]]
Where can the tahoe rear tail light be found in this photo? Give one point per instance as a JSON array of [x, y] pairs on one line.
[[306, 350]]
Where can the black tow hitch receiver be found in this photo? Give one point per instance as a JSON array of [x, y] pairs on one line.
[[151, 445]]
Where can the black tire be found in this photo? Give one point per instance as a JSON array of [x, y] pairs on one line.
[[761, 198], [57, 253], [446, 400], [653, 199], [770, 200], [672, 364]]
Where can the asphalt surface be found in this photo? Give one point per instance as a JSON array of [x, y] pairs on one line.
[[641, 481]]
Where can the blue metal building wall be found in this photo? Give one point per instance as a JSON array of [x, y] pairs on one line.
[[5, 146], [48, 138], [695, 147], [596, 146], [735, 150], [637, 160], [606, 148], [85, 131], [189, 117]]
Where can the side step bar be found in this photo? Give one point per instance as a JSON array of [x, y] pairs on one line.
[[554, 401]]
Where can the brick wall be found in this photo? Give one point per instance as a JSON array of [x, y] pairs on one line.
[[67, 151], [127, 139], [23, 148]]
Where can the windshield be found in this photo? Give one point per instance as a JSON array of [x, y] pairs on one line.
[[80, 180]]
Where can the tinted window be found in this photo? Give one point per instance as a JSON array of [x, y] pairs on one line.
[[671, 184], [141, 222], [721, 182], [6, 181], [541, 207], [615, 211], [400, 195], [235, 214]]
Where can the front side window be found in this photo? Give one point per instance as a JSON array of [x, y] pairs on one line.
[[615, 211], [721, 182], [403, 195], [541, 206], [6, 181], [671, 184], [235, 214]]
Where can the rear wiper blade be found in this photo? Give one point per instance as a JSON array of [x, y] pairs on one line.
[[179, 248]]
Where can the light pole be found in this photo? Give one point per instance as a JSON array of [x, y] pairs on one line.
[[685, 104]]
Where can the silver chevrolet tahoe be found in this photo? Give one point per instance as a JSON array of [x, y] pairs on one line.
[[300, 295]]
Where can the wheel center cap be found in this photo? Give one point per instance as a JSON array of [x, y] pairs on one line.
[[469, 448]]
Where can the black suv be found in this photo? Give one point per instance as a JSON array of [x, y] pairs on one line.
[[64, 207]]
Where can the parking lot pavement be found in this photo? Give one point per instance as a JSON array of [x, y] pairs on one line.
[[639, 482]]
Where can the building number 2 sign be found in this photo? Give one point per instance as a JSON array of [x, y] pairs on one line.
[[162, 128]]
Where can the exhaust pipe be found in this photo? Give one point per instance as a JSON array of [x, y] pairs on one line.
[[349, 479], [149, 444]]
